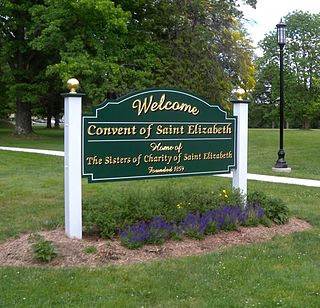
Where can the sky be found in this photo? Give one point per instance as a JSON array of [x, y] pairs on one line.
[[268, 13]]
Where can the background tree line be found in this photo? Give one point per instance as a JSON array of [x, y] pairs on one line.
[[301, 79], [114, 47]]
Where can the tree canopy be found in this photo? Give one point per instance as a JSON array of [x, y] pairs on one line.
[[301, 68], [114, 47]]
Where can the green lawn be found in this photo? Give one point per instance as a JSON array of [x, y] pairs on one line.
[[43, 138], [282, 272], [301, 147]]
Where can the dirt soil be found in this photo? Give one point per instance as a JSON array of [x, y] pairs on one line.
[[18, 252]]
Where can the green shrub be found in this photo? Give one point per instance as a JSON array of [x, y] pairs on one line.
[[274, 208], [168, 201], [257, 197], [100, 220], [90, 249], [228, 197], [194, 234], [212, 229], [44, 250], [252, 220]]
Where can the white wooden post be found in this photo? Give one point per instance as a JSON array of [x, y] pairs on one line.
[[72, 161], [239, 176]]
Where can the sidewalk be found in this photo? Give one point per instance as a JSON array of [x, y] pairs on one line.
[[251, 176], [36, 151]]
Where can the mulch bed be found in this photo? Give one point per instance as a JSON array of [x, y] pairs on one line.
[[17, 252]]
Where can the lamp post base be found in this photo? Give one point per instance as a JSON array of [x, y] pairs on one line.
[[285, 170], [281, 164]]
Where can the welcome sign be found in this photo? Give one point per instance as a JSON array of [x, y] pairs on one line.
[[157, 133]]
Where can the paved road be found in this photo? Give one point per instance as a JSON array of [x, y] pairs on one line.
[[251, 176]]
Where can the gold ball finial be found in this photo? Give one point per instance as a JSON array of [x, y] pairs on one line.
[[240, 93], [73, 85]]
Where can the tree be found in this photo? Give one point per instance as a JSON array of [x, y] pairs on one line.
[[114, 47], [90, 39], [153, 51], [25, 64], [302, 67], [200, 45], [5, 107], [304, 61], [53, 40]]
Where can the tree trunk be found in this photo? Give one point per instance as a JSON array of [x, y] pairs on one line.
[[56, 121], [23, 118], [49, 121]]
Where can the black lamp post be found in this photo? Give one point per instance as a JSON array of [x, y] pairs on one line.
[[281, 164]]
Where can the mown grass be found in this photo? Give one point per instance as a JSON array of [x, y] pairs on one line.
[[42, 138], [301, 147], [281, 272], [31, 193]]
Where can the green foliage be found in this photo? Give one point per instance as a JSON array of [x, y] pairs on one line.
[[252, 220], [5, 124], [301, 72], [100, 220], [172, 203], [47, 42], [212, 229], [194, 234], [198, 42], [193, 225], [275, 209], [263, 115], [115, 47], [90, 249], [44, 250], [130, 244]]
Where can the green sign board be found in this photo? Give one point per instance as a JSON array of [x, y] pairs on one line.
[[157, 133]]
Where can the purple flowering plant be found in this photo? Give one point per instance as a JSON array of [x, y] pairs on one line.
[[157, 231], [193, 225], [176, 212]]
